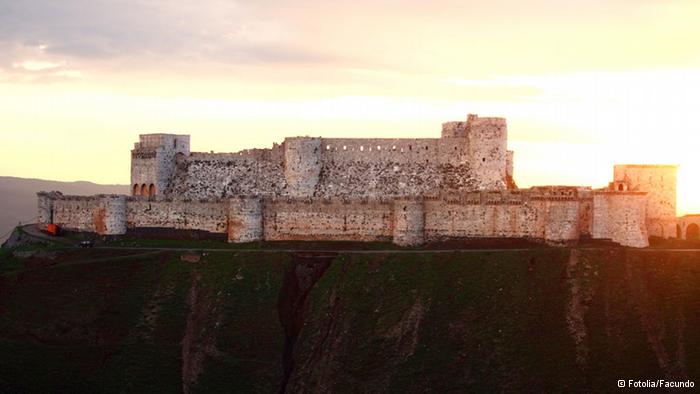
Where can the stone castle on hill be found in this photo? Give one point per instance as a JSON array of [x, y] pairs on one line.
[[409, 191]]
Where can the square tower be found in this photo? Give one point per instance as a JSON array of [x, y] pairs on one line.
[[659, 182], [153, 162]]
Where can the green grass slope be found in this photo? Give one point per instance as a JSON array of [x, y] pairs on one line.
[[543, 320]]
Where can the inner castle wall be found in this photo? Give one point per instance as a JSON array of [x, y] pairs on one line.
[[474, 157]]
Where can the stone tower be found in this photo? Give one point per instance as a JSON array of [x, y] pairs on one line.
[[488, 153], [659, 182], [153, 162], [302, 165]]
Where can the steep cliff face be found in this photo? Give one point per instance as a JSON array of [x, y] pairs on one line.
[[536, 320]]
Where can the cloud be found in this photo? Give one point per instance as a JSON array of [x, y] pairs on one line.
[[157, 32], [36, 65]]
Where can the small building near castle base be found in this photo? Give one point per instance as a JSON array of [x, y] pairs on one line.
[[409, 191]]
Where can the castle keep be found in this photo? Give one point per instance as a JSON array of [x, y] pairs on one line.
[[409, 191]]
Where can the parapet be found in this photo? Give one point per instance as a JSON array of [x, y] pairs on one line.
[[178, 142], [454, 130], [485, 125]]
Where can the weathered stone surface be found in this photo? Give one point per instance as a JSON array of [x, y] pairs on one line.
[[659, 182], [410, 191], [620, 216]]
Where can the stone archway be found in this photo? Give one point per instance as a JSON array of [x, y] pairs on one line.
[[692, 232], [144, 190], [151, 190], [136, 190]]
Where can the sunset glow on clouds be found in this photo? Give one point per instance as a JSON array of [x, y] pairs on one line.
[[583, 85]]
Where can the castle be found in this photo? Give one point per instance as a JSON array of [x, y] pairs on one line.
[[409, 191]]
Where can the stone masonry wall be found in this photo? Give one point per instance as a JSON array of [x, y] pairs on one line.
[[101, 214], [620, 216], [327, 219], [245, 222], [471, 155], [209, 216], [409, 221], [75, 213], [659, 181], [547, 213], [220, 175], [550, 213]]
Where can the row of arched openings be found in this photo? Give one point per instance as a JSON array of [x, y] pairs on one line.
[[144, 190], [692, 232]]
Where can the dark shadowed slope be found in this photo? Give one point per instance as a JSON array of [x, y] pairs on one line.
[[18, 197], [546, 320]]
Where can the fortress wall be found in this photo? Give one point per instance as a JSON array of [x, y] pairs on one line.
[[384, 179], [265, 154], [489, 219], [398, 150], [620, 216], [209, 216], [101, 214], [75, 213], [409, 221], [660, 182], [245, 219], [553, 214], [562, 224], [302, 165], [374, 150], [586, 216], [223, 175], [333, 219]]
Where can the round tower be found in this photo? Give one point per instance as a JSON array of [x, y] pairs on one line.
[[488, 153], [302, 165], [245, 219], [409, 221], [114, 215]]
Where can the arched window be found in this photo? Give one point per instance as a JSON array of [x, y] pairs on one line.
[[692, 232], [152, 190], [144, 190], [137, 190], [620, 187]]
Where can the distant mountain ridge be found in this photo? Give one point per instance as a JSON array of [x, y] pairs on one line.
[[18, 197]]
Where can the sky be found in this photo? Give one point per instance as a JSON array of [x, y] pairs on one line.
[[583, 84]]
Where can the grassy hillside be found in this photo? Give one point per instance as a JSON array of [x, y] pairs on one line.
[[544, 319], [18, 197]]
